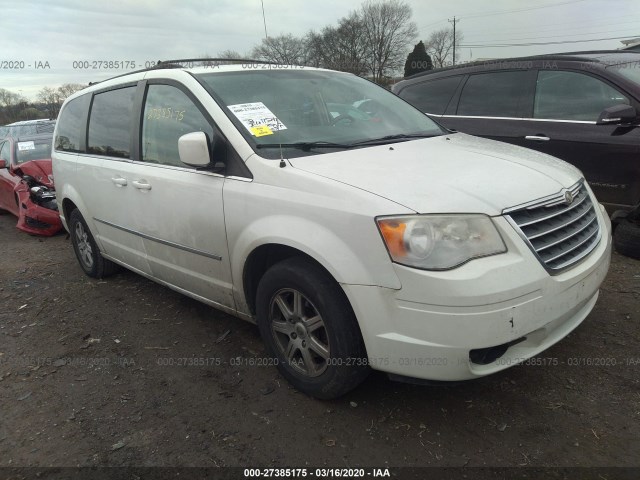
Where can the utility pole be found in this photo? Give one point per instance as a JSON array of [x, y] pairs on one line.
[[264, 20], [454, 38]]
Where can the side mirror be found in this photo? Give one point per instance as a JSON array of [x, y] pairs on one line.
[[3, 163], [617, 115], [194, 149]]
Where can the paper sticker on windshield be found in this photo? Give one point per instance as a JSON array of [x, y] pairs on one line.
[[255, 115], [261, 131], [22, 146]]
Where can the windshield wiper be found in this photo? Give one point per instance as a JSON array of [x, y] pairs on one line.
[[371, 141], [393, 138], [304, 145]]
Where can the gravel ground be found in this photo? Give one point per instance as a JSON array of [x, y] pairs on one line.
[[124, 372]]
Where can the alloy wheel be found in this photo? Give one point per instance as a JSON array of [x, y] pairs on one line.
[[84, 246], [299, 332]]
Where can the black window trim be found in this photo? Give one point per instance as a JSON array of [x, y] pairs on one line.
[[452, 100], [239, 169], [529, 91], [604, 80], [86, 130], [528, 115]]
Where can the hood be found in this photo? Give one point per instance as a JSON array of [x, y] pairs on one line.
[[454, 173], [38, 169]]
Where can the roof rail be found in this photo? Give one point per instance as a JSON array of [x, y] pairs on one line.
[[570, 56], [162, 63], [176, 64]]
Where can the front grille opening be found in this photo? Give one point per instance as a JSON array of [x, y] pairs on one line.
[[559, 234], [485, 356]]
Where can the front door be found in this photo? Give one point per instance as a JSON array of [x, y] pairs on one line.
[[177, 210], [566, 107]]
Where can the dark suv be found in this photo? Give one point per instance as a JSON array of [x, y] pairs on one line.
[[581, 107]]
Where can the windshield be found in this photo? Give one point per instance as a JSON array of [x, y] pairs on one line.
[[28, 150], [320, 109]]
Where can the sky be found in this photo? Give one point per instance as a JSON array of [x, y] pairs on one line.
[[46, 43]]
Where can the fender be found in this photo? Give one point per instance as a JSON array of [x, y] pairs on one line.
[[369, 266]]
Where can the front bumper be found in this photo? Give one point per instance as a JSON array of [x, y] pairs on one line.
[[431, 327], [36, 219]]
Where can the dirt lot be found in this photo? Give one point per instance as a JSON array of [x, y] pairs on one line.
[[124, 372]]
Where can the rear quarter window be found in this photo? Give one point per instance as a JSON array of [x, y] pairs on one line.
[[72, 125]]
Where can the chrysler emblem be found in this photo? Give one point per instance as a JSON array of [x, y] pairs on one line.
[[568, 197]]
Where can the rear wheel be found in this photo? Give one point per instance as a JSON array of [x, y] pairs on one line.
[[86, 249], [626, 239], [307, 324]]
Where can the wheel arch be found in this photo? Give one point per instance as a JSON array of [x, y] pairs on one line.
[[264, 257], [344, 253], [67, 207], [72, 200]]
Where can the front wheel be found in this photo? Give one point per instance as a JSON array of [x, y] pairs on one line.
[[86, 249], [307, 324]]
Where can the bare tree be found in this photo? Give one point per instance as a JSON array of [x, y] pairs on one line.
[[11, 104], [51, 100], [225, 55], [389, 34], [284, 49], [340, 48], [229, 54], [440, 47], [67, 89]]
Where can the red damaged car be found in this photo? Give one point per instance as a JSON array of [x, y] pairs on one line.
[[26, 183]]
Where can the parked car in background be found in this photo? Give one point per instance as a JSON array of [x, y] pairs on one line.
[[355, 238], [26, 183], [27, 127], [581, 107]]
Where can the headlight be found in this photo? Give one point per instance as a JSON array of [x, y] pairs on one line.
[[439, 242]]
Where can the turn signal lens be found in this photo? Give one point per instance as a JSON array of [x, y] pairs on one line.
[[393, 234]]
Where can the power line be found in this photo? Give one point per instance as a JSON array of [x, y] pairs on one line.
[[498, 12], [504, 12], [636, 32], [542, 43], [554, 26]]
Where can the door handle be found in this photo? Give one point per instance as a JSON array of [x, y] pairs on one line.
[[539, 138], [119, 181], [141, 184]]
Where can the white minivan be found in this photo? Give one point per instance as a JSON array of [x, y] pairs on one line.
[[355, 231]]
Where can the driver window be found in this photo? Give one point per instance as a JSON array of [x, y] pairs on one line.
[[169, 114]]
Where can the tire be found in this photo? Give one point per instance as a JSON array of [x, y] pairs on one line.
[[87, 252], [319, 357], [626, 239]]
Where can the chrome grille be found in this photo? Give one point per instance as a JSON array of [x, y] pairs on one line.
[[560, 232]]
